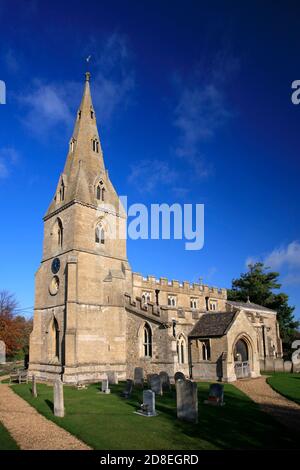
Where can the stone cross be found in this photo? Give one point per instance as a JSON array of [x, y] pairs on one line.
[[139, 377], [59, 409], [187, 400], [215, 395], [2, 352], [165, 380], [104, 386], [33, 388], [155, 384]]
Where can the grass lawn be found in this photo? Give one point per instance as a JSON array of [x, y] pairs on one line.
[[6, 441], [108, 422], [286, 384]]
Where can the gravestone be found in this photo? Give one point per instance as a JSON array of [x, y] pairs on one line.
[[58, 391], [278, 365], [269, 364], [149, 379], [112, 377], [155, 384], [128, 389], [138, 377], [296, 356], [187, 400], [215, 395], [2, 352], [288, 366], [104, 386], [165, 381], [179, 376], [33, 387], [148, 405]]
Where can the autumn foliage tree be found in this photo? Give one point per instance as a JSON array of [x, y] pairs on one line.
[[14, 329]]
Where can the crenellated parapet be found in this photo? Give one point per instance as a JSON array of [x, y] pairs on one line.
[[186, 287]]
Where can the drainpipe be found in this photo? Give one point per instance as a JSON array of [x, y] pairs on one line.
[[190, 358], [264, 339]]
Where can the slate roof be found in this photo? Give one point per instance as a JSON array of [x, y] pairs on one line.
[[250, 306], [212, 324]]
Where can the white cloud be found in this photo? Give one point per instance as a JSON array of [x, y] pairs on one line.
[[50, 105], [284, 256], [147, 174], [201, 109], [8, 158], [285, 259]]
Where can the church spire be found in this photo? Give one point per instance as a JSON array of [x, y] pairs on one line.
[[84, 162]]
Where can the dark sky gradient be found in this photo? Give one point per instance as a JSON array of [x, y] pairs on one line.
[[193, 102]]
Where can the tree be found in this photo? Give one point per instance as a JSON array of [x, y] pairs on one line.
[[14, 328], [258, 285]]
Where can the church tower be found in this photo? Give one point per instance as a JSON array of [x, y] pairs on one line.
[[79, 317]]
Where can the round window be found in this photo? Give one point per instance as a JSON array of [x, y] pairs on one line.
[[54, 285]]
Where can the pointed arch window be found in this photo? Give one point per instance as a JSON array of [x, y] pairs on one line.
[[60, 233], [181, 350], [99, 235], [147, 337], [92, 113], [205, 350], [100, 191], [55, 340], [95, 145], [72, 145]]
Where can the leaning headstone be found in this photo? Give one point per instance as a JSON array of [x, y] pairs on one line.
[[104, 386], [215, 395], [287, 366], [112, 377], [128, 389], [296, 356], [138, 377], [187, 400], [165, 381], [149, 376], [33, 387], [179, 376], [2, 352], [148, 405], [59, 409], [155, 384]]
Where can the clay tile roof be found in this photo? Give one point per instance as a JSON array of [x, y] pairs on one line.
[[212, 324]]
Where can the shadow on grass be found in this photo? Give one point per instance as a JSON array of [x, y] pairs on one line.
[[240, 424], [50, 404]]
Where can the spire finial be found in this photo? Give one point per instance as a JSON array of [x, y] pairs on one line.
[[87, 74]]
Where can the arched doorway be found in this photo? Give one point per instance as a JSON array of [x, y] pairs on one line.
[[241, 359]]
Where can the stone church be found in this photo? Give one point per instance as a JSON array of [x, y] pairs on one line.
[[93, 314]]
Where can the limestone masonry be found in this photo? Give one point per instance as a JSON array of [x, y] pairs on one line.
[[94, 315]]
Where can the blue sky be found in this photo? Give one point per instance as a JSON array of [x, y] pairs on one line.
[[193, 103]]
